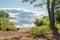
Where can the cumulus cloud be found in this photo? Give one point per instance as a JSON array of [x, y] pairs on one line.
[[25, 26], [25, 10], [14, 15], [10, 8], [24, 16]]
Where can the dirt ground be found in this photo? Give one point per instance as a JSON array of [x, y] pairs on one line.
[[21, 34]]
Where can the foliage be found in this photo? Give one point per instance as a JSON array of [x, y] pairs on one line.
[[5, 25], [38, 4], [58, 26], [38, 22], [51, 4], [57, 15], [38, 31], [3, 14], [42, 30], [41, 21]]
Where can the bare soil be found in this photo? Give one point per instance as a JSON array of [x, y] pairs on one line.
[[21, 34]]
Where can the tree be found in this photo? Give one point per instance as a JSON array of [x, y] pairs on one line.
[[51, 12], [57, 16], [57, 11], [50, 8]]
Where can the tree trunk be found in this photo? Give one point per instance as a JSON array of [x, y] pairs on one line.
[[51, 15], [51, 12], [52, 19]]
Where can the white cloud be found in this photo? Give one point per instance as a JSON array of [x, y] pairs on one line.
[[35, 14], [12, 20], [25, 10], [14, 15], [10, 8], [25, 26]]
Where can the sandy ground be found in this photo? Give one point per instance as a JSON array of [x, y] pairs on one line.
[[21, 34]]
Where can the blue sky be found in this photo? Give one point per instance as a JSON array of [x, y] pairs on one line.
[[19, 4], [25, 9]]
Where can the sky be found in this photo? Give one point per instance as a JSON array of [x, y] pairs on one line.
[[19, 4]]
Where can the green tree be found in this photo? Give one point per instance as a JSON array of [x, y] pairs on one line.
[[57, 11], [50, 8], [57, 16]]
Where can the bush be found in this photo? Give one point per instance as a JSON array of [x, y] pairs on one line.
[[3, 29], [45, 22], [58, 26], [7, 26], [38, 22], [41, 21], [42, 30], [11, 29], [37, 31]]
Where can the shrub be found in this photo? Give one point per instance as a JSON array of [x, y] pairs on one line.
[[3, 28], [37, 31], [7, 26], [41, 21], [58, 26], [13, 29], [38, 22], [45, 22]]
